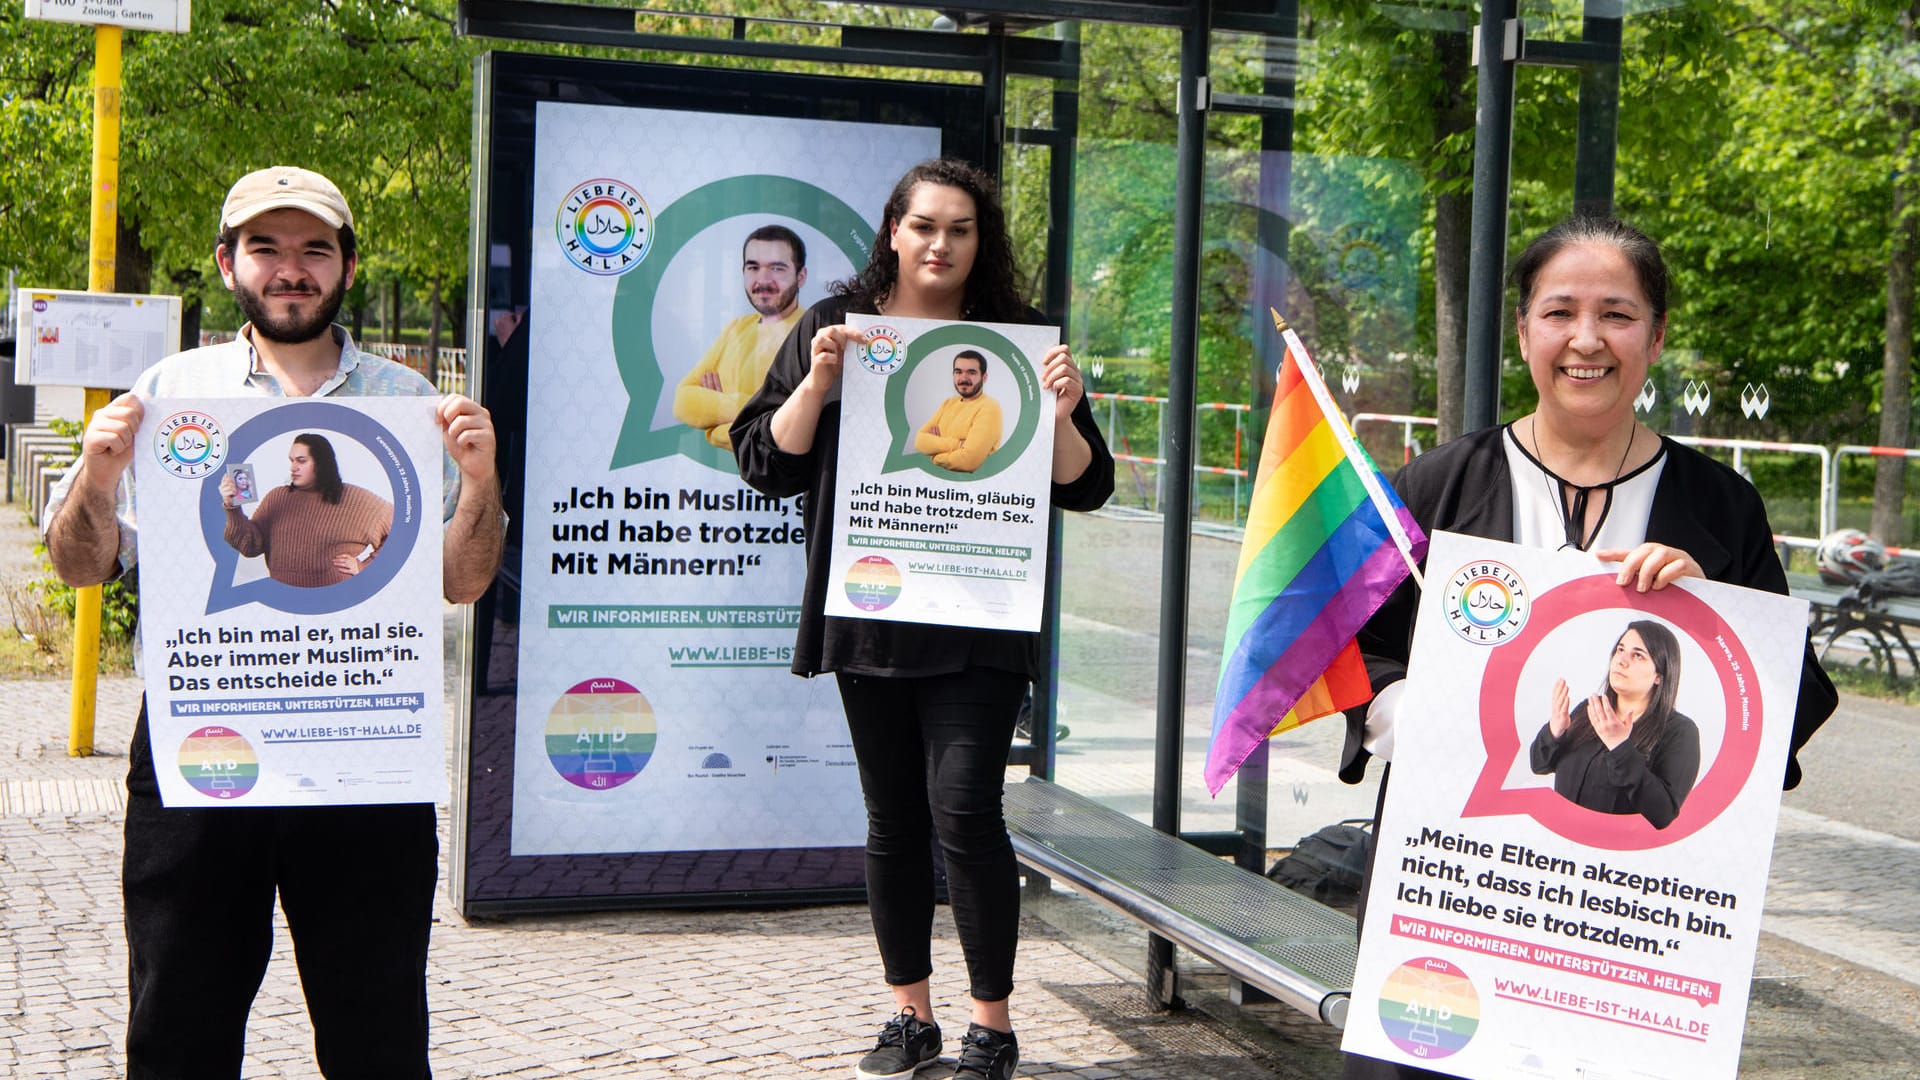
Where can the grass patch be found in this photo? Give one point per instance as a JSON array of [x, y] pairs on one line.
[[36, 641], [1868, 681]]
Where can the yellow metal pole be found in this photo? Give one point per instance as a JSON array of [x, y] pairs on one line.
[[106, 217]]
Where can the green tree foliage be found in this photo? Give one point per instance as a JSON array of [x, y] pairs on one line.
[[375, 94]]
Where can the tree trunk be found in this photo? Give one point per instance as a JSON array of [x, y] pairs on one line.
[[1452, 236], [433, 334], [390, 316], [1896, 382], [187, 282], [132, 262]]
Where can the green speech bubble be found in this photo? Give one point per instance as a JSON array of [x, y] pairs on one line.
[[673, 227], [900, 431]]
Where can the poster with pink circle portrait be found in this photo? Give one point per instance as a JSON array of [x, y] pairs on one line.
[[1577, 832]]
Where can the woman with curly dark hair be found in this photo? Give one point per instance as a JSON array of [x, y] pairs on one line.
[[931, 709], [1625, 749]]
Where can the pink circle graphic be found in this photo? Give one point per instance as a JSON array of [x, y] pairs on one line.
[[1500, 732]]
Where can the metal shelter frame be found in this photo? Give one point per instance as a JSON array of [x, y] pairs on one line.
[[1500, 45]]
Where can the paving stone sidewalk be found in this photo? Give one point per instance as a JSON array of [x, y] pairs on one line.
[[750, 993]]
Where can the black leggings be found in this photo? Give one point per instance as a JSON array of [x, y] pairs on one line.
[[933, 757]]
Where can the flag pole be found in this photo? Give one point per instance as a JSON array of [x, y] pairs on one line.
[[1343, 431]]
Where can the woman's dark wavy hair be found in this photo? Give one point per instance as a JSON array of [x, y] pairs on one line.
[[1664, 650], [326, 467], [1641, 252], [992, 294]]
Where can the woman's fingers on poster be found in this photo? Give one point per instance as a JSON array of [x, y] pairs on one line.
[[1059, 373], [1650, 566]]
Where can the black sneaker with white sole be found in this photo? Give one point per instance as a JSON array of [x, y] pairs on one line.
[[906, 1043], [987, 1053]]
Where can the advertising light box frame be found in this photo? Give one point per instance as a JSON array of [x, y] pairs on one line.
[[514, 852]]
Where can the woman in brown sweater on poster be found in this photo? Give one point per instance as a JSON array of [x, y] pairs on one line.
[[317, 530]]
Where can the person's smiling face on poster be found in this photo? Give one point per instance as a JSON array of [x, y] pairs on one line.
[[773, 277], [969, 375]]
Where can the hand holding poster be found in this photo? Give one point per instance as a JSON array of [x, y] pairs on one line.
[[945, 468], [291, 645], [1573, 852]]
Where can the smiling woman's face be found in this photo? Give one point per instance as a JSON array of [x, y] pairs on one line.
[[1588, 339]]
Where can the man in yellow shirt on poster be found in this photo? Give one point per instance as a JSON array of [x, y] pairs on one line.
[[965, 430], [773, 262]]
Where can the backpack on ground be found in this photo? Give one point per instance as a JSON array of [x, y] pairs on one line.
[[1328, 865]]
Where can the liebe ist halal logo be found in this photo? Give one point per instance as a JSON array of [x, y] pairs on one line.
[[604, 227], [1486, 602], [190, 445]]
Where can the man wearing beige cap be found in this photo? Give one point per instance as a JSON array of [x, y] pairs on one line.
[[356, 882]]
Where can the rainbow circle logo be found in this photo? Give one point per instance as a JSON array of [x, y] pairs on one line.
[[604, 227], [600, 734], [1486, 603], [1429, 1009], [873, 583], [190, 445], [219, 763], [882, 350]]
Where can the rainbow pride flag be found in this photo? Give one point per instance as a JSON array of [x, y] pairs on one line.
[[1327, 541]]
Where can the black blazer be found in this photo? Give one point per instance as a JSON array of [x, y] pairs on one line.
[[1700, 506]]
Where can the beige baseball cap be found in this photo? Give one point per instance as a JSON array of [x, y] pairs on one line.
[[284, 187]]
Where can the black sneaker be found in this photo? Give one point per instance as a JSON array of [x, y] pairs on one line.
[[906, 1043], [987, 1053]]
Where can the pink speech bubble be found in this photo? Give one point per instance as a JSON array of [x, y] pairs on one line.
[[1500, 732]]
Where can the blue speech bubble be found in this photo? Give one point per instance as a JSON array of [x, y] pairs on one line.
[[402, 478]]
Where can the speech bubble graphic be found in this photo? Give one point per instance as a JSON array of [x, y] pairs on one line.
[[404, 493], [686, 217], [1499, 729], [900, 430]]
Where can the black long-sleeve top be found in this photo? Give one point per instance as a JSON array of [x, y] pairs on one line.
[[1622, 780], [872, 646]]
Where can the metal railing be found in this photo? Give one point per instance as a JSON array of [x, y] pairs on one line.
[[1829, 501], [1826, 506]]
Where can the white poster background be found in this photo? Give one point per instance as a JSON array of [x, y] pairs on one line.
[[656, 710], [266, 694], [1512, 933], [914, 542]]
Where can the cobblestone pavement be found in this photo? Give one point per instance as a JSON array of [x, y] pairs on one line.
[[651, 994]]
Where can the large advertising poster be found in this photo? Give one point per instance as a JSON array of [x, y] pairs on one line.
[[290, 600], [1574, 848], [672, 253]]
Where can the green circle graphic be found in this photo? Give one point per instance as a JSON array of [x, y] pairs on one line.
[[900, 431], [673, 227]]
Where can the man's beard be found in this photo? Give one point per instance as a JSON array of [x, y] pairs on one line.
[[783, 301], [294, 329]]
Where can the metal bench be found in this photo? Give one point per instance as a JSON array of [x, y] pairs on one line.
[[1275, 940]]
